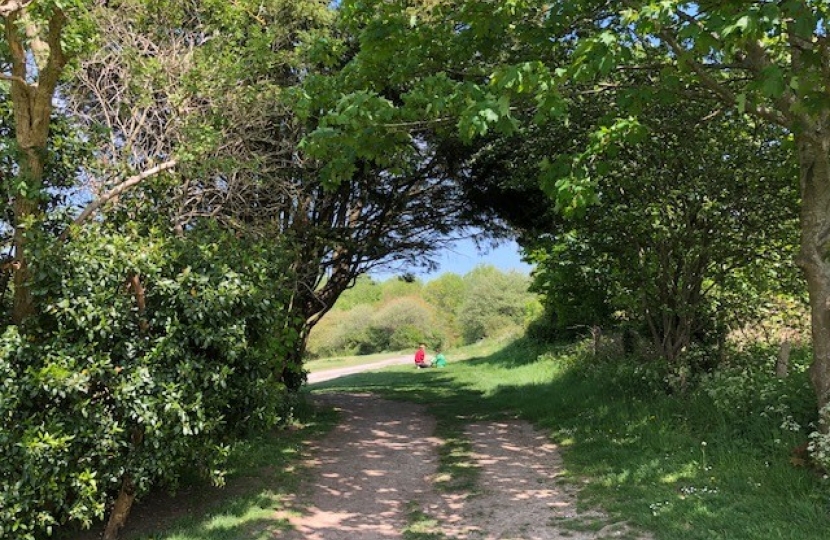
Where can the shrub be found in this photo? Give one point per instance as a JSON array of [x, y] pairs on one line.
[[96, 390], [400, 323], [403, 323], [366, 291], [444, 295], [342, 332], [495, 303]]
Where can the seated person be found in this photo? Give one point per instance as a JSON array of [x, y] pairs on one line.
[[421, 356], [440, 360]]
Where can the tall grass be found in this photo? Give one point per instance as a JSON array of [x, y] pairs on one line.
[[714, 463]]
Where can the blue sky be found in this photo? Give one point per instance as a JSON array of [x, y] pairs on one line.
[[465, 256]]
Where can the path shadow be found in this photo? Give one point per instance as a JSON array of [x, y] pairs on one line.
[[262, 469], [366, 471], [641, 447]]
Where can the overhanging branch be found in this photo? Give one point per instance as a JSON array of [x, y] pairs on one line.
[[13, 78], [723, 93], [127, 184]]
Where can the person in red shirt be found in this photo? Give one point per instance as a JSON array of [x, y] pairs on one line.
[[421, 356]]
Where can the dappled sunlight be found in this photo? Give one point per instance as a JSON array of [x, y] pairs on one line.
[[638, 450], [688, 471], [518, 478], [381, 459], [374, 477]]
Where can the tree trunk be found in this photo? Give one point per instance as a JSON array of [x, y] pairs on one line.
[[135, 286], [32, 139], [23, 304], [814, 162], [310, 304], [121, 510], [293, 375], [596, 337], [32, 106]]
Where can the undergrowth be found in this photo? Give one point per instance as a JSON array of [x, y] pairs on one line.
[[263, 471]]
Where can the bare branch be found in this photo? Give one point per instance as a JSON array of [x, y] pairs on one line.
[[8, 7], [118, 190], [13, 78]]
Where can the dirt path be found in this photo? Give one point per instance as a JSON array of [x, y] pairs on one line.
[[329, 374], [375, 469], [375, 462], [372, 477]]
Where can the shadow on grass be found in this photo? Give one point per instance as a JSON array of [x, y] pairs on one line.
[[252, 516], [669, 464], [263, 469], [639, 454]]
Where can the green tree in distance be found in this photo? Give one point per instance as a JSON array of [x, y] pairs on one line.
[[365, 291], [494, 302], [449, 309], [446, 293]]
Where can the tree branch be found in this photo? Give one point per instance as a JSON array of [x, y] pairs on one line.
[[12, 78], [56, 59], [724, 94], [118, 190], [7, 7], [18, 53]]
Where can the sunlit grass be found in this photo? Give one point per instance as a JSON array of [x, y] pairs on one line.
[[668, 464], [252, 518], [482, 348], [419, 525]]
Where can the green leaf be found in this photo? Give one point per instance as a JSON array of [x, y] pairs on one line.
[[772, 82], [741, 102]]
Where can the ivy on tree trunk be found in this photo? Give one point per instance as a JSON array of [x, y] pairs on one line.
[[32, 105]]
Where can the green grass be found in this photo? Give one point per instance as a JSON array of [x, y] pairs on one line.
[[640, 454], [419, 526], [482, 348], [263, 471]]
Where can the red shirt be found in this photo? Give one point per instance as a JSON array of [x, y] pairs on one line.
[[420, 356]]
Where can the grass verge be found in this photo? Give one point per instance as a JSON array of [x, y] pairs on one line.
[[678, 466], [419, 525], [263, 471]]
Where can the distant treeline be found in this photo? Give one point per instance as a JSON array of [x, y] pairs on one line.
[[398, 313]]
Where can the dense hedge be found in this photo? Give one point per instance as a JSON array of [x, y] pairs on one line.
[[95, 388]]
